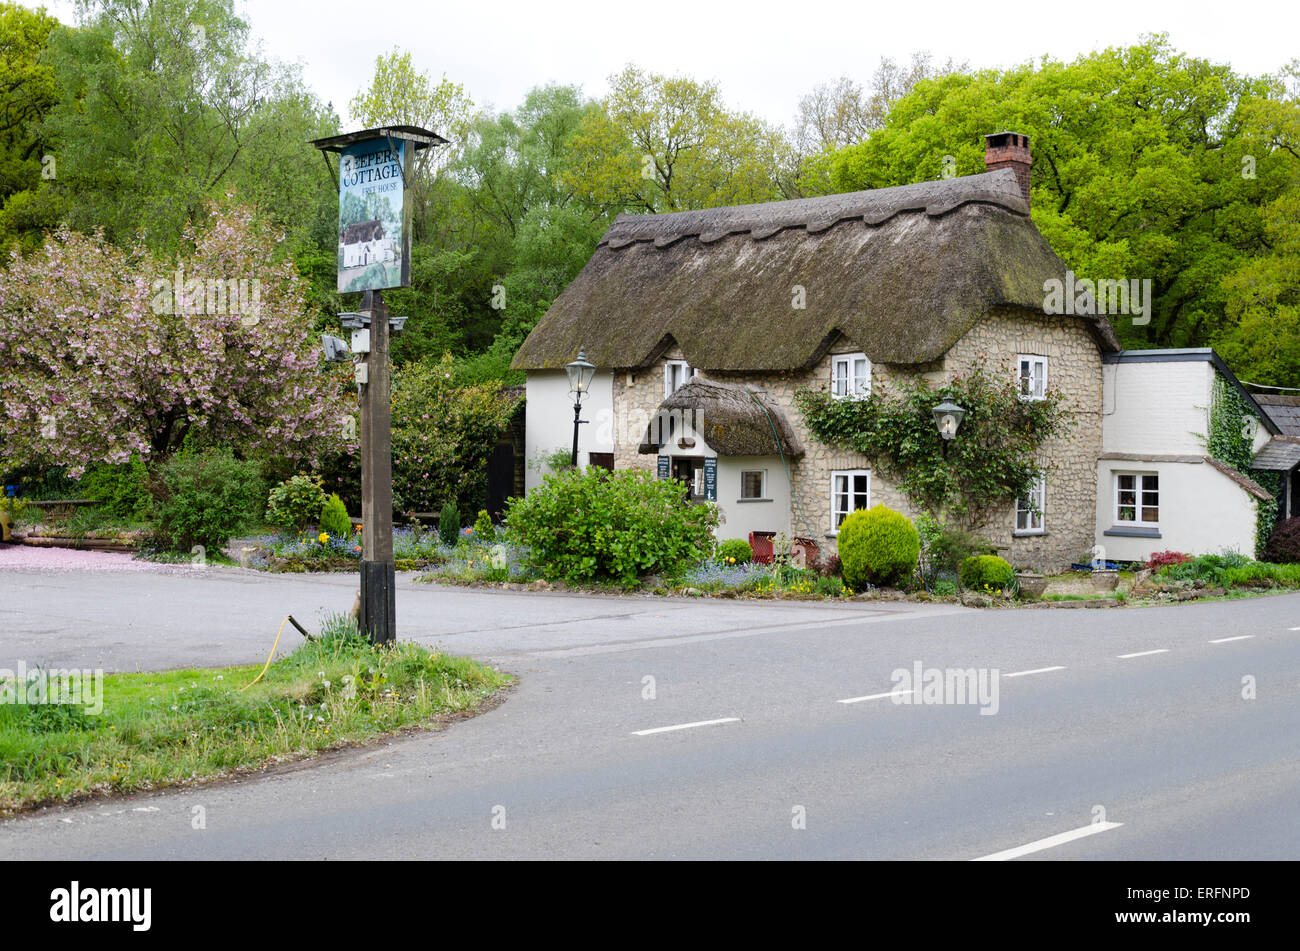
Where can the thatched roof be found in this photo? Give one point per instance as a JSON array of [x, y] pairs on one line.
[[734, 421], [901, 272]]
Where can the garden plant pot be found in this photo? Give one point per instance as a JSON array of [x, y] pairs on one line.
[[1032, 585]]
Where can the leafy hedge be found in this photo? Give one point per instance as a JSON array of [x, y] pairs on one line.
[[877, 546], [735, 551], [592, 525]]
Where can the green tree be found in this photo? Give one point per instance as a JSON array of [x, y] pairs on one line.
[[1137, 168], [27, 92], [668, 143]]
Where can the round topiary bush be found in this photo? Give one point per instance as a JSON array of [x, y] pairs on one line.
[[297, 502], [735, 551], [877, 546], [987, 571]]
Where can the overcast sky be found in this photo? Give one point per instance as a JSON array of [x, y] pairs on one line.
[[763, 54]]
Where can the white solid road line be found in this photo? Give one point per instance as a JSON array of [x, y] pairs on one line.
[[685, 726], [1239, 637], [1050, 842], [1163, 650], [1026, 673], [877, 696]]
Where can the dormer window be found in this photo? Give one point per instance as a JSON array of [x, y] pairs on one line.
[[850, 375], [676, 373], [1032, 377]]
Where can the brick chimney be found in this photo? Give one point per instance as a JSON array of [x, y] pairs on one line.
[[1009, 150]]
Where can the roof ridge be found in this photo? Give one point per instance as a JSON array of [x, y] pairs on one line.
[[819, 213]]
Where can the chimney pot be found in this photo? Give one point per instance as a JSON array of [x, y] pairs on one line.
[[1009, 150]]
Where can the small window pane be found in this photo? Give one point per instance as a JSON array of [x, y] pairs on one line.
[[751, 485]]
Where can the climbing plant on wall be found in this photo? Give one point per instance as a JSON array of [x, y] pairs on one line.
[[1231, 439], [993, 459]]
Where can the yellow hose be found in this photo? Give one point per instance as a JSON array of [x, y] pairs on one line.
[[271, 658]]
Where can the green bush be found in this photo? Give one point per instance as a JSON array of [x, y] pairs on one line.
[[594, 525], [449, 523], [296, 503], [877, 546], [1208, 568], [981, 571], [735, 551], [206, 498], [334, 518], [122, 490], [943, 549], [484, 530]]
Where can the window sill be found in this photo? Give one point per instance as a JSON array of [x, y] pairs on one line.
[[1135, 532], [1036, 533], [739, 501]]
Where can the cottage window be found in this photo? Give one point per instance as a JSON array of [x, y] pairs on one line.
[[752, 484], [1030, 507], [850, 491], [1137, 498], [1033, 377], [676, 373], [850, 375]]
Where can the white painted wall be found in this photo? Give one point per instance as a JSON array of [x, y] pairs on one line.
[[1202, 511], [550, 420], [1157, 408], [741, 518]]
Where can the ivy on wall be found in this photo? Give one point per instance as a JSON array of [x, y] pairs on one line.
[[1231, 439], [993, 459]]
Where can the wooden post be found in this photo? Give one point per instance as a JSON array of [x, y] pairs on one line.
[[378, 582]]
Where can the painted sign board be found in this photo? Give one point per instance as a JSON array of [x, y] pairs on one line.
[[374, 251], [664, 470], [711, 478]]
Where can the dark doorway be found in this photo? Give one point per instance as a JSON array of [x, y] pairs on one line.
[[501, 478]]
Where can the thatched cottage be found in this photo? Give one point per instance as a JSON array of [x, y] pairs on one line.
[[720, 315]]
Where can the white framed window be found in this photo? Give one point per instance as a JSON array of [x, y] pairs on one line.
[[676, 373], [753, 485], [1137, 498], [850, 491], [850, 375], [1031, 374], [1030, 508]]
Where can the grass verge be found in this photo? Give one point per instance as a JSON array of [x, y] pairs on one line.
[[183, 726]]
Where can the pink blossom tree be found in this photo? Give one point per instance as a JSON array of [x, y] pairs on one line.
[[106, 353]]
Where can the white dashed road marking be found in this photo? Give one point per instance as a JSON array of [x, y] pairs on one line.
[[1050, 842], [685, 726], [1163, 650]]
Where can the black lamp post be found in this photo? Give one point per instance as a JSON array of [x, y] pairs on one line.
[[580, 373]]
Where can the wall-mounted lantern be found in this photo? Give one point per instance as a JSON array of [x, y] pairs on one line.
[[948, 416]]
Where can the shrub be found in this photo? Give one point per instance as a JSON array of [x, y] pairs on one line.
[[981, 571], [1209, 568], [735, 551], [1160, 559], [484, 530], [943, 549], [334, 518], [830, 567], [877, 546], [296, 503], [1283, 546], [122, 490], [449, 523], [593, 525], [205, 499]]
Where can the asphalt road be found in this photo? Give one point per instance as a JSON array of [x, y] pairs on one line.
[[1099, 748]]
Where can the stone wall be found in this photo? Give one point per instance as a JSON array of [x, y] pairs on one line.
[[1074, 370]]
